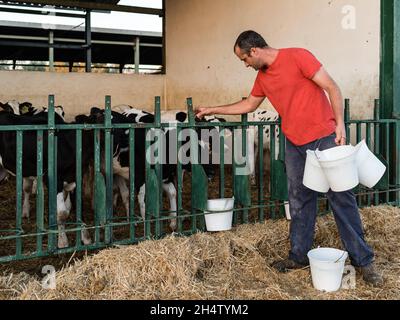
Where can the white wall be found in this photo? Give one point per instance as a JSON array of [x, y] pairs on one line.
[[77, 92], [201, 34], [200, 62]]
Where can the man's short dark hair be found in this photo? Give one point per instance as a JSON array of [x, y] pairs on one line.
[[250, 39]]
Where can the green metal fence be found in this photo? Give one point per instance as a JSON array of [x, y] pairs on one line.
[[23, 239]]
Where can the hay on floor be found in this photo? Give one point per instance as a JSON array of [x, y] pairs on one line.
[[226, 265]]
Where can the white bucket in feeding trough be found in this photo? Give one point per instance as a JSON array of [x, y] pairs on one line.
[[340, 167], [370, 168], [219, 221], [327, 266]]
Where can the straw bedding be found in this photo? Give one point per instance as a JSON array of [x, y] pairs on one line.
[[226, 265]]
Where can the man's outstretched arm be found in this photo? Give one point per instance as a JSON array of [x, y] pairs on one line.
[[247, 105]]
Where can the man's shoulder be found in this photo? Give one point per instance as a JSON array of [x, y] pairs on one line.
[[295, 50], [299, 55]]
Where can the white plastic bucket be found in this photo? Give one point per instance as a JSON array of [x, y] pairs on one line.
[[370, 168], [327, 265], [340, 167], [314, 177], [219, 221]]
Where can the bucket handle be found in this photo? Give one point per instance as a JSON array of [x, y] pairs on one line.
[[344, 252], [317, 147], [318, 144]]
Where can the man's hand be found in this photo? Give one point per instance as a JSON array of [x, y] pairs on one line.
[[200, 112], [340, 134]]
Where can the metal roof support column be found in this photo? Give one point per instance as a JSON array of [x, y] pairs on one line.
[[51, 50], [88, 44], [137, 54], [390, 59], [396, 61]]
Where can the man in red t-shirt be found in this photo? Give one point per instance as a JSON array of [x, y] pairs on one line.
[[295, 82]]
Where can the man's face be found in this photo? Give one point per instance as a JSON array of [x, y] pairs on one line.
[[251, 59]]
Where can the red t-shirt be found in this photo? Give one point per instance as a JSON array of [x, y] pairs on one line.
[[303, 106]]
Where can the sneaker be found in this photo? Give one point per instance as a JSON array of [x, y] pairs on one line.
[[287, 265], [371, 276]]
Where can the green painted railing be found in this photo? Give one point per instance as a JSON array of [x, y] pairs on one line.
[[109, 226]]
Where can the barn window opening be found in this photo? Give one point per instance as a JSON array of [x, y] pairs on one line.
[[95, 38]]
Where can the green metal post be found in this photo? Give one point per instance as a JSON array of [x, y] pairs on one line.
[[179, 179], [221, 162], [245, 212], [387, 156], [158, 167], [78, 163], [387, 57], [395, 114], [235, 214], [358, 138], [377, 138], [108, 166], [52, 173], [147, 222], [39, 193], [261, 172], [272, 155], [97, 173], [282, 147], [132, 184], [19, 191], [193, 156], [368, 141], [397, 161]]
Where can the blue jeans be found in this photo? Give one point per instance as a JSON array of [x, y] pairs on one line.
[[303, 209]]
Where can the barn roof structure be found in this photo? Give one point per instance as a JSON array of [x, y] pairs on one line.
[[111, 5], [32, 41]]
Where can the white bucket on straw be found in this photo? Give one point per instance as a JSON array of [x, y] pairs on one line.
[[327, 265], [370, 168], [221, 221]]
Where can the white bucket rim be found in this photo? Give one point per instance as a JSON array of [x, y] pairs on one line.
[[352, 154], [221, 199], [225, 201], [341, 259]]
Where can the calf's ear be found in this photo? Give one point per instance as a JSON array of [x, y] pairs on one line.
[[6, 107], [95, 111]]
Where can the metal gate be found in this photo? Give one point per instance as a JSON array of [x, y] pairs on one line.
[[21, 239]]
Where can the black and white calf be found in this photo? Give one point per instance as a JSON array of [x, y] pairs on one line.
[[65, 165], [127, 114], [27, 109], [13, 106], [121, 163]]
